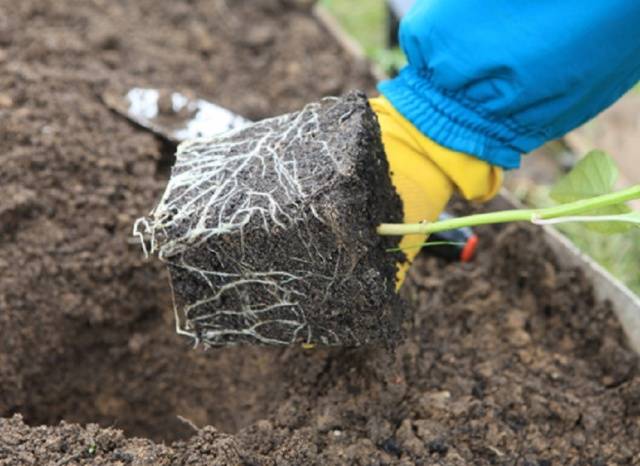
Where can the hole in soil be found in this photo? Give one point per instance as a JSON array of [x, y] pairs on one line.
[[141, 377], [122, 365]]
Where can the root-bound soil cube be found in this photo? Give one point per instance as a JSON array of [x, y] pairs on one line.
[[269, 231]]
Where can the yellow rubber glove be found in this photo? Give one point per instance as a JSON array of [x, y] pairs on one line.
[[425, 174]]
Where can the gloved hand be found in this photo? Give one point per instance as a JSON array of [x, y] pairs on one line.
[[425, 174]]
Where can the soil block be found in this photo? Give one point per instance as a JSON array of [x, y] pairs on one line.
[[269, 231]]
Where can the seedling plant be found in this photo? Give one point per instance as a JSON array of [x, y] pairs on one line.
[[585, 195]]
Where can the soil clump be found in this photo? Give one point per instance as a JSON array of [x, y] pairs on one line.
[[269, 231]]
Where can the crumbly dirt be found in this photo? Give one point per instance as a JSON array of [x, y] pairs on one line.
[[81, 310], [507, 360], [284, 251]]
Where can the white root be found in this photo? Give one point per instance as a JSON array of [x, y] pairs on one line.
[[212, 194]]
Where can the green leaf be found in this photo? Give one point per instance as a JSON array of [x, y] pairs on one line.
[[594, 175], [633, 218], [610, 227]]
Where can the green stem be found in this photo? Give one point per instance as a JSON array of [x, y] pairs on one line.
[[427, 245], [570, 208]]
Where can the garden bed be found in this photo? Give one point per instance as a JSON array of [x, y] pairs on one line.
[[509, 359]]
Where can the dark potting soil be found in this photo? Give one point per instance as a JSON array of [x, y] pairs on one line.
[[270, 231], [507, 360]]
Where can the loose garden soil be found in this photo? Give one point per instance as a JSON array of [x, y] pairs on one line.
[[507, 360]]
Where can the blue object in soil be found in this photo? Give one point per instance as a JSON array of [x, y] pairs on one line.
[[498, 78]]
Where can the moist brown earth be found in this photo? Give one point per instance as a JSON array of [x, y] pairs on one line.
[[508, 360], [81, 310]]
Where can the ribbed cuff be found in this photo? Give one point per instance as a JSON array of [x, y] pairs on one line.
[[453, 123]]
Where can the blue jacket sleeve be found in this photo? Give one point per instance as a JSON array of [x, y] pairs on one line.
[[498, 78]]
